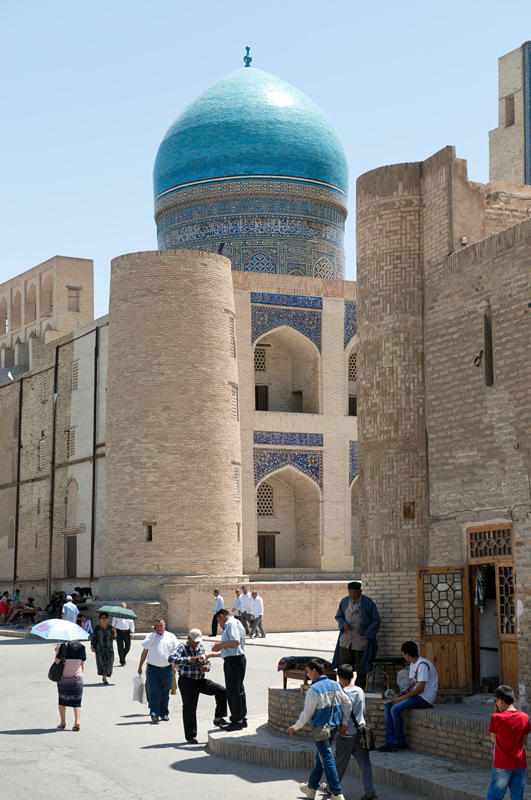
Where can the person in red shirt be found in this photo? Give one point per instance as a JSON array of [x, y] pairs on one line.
[[508, 730]]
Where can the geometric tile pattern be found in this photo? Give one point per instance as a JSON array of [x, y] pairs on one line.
[[309, 462], [296, 301], [443, 604], [260, 260], [289, 439], [323, 268], [305, 321], [351, 321], [353, 461]]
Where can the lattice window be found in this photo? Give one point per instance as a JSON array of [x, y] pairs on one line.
[[234, 402], [237, 483], [260, 359], [265, 500], [45, 386], [507, 600], [232, 336], [352, 367], [41, 454], [75, 375], [443, 604], [71, 442], [489, 542], [11, 535]]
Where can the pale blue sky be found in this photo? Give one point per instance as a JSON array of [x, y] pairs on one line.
[[90, 89]]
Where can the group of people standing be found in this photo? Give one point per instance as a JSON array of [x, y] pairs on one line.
[[248, 608]]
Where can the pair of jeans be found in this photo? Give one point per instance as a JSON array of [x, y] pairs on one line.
[[159, 679], [324, 761], [394, 724], [190, 689], [347, 746], [234, 670], [503, 779]]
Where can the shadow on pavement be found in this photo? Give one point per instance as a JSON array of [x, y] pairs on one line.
[[253, 773], [29, 732]]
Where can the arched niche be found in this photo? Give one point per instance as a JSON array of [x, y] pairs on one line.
[[46, 299], [30, 305], [291, 374], [16, 312]]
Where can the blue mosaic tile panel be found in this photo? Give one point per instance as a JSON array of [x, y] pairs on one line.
[[307, 322], [296, 301], [351, 321], [309, 462], [527, 111], [353, 463], [289, 439]]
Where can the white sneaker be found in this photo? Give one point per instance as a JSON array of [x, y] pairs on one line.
[[305, 789], [337, 797]]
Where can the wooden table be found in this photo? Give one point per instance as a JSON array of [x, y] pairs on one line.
[[34, 612]]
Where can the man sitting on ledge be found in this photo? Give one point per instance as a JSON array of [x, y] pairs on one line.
[[421, 692]]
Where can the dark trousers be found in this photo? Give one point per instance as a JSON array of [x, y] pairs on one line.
[[159, 679], [123, 641], [234, 669], [246, 620], [355, 659], [214, 625], [190, 689]]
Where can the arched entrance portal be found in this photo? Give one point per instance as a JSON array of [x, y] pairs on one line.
[[286, 373]]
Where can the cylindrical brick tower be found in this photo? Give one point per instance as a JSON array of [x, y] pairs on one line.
[[173, 447], [391, 425]]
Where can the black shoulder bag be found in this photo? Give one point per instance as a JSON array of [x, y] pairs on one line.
[[365, 736], [55, 673]]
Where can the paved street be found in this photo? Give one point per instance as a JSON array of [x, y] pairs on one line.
[[118, 753]]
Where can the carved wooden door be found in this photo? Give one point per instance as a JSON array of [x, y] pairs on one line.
[[445, 626]]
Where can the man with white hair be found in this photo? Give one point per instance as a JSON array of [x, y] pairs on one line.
[[258, 615], [70, 610], [246, 609], [124, 629]]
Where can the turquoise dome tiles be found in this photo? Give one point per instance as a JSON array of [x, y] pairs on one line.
[[253, 164], [250, 123]]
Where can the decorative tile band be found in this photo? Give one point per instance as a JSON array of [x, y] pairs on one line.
[[307, 322], [353, 468], [527, 111], [351, 321], [309, 462], [289, 439], [297, 301]]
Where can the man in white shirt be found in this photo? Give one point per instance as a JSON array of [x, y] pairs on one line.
[[231, 648], [157, 647], [422, 691], [236, 606], [70, 610], [86, 624], [258, 615], [246, 607], [218, 605], [124, 629]]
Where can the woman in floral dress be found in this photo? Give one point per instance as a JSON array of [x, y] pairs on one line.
[[70, 686], [102, 645]]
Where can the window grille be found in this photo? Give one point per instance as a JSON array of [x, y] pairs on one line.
[[352, 367], [489, 542], [232, 335], [507, 599], [75, 375], [260, 359], [235, 402], [71, 442], [237, 483], [41, 457], [265, 500]]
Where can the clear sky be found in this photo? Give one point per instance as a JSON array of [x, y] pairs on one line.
[[89, 90]]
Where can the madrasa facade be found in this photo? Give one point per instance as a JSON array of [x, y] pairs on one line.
[[243, 413]]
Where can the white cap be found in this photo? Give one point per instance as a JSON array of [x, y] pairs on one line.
[[195, 635], [69, 598]]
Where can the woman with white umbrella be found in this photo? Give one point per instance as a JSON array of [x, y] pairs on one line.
[[70, 685]]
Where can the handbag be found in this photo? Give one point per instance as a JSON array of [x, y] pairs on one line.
[[322, 732], [55, 673], [365, 736]]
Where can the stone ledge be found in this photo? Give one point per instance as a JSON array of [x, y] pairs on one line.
[[406, 770]]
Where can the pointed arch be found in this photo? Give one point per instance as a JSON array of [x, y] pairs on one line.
[[71, 503], [3, 316], [30, 305], [46, 300], [292, 374], [16, 311]]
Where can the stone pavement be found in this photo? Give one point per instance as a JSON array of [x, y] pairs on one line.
[[118, 754]]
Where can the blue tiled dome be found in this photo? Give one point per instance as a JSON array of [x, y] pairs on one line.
[[250, 123]]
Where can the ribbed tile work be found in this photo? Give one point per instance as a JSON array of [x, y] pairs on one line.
[[296, 301], [307, 322], [351, 321], [309, 462], [353, 461], [289, 439]]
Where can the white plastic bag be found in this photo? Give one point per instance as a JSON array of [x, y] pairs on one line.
[[403, 679], [139, 689]]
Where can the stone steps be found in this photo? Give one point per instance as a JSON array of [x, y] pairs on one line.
[[429, 776], [300, 574]]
